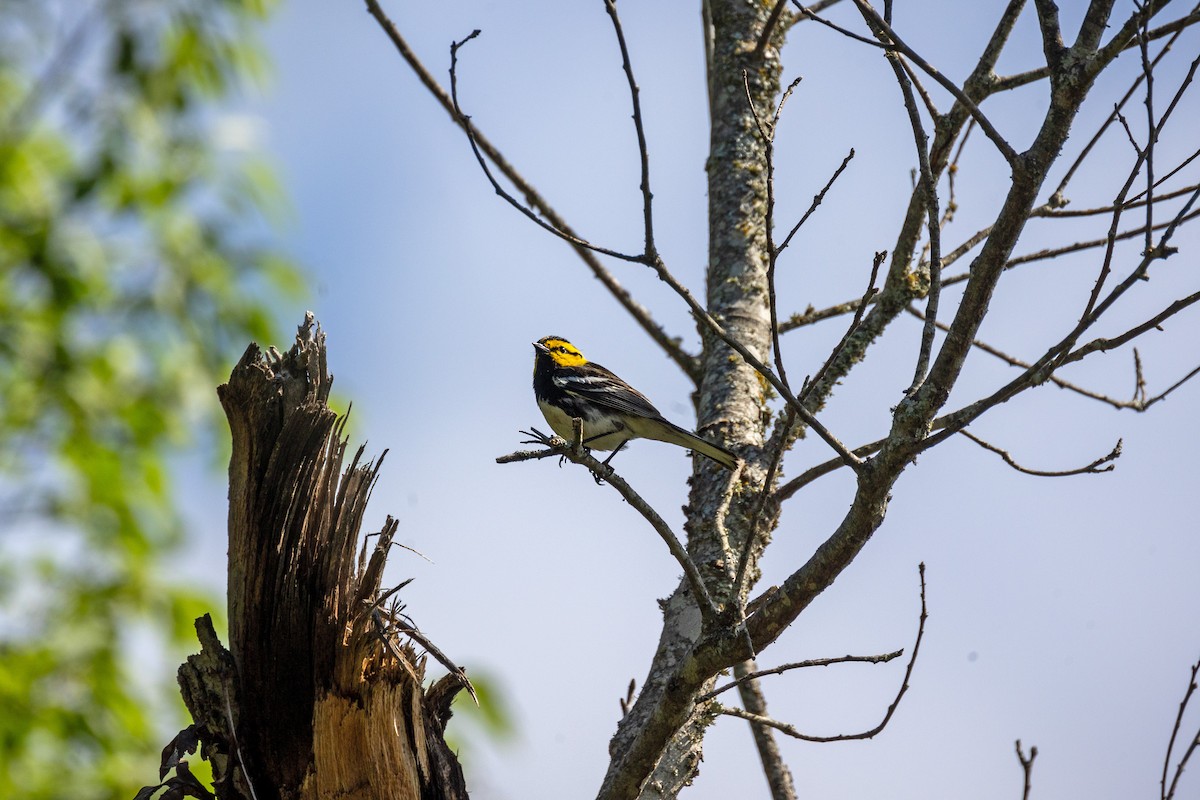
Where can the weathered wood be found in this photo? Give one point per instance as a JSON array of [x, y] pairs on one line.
[[317, 697]]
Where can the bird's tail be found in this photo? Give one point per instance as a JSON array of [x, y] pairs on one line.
[[673, 434]]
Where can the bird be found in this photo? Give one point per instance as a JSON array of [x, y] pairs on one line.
[[569, 386]]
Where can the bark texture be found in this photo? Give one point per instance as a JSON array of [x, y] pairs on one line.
[[662, 736], [316, 697]]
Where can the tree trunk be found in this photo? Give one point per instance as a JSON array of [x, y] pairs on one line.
[[316, 697], [731, 397]]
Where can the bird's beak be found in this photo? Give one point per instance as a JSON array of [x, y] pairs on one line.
[[541, 348]]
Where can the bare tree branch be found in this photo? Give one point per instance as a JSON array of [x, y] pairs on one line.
[[794, 732], [1135, 202], [1009, 82], [861, 307], [578, 454], [779, 777], [469, 128], [767, 133], [812, 316], [883, 658], [928, 192], [818, 198], [1138, 403], [652, 259], [669, 344], [1075, 247], [777, 13], [1006, 150], [1087, 148], [1106, 343], [1168, 792], [1026, 767], [1102, 464], [639, 127], [897, 289]]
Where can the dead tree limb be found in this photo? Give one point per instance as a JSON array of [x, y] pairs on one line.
[[320, 693]]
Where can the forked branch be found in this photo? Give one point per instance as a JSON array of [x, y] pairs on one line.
[[795, 732], [641, 315], [1026, 767], [1102, 464], [1168, 790]]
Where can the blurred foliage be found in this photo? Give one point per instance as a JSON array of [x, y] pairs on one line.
[[491, 719], [131, 271]]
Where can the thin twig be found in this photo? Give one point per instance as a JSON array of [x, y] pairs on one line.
[[797, 483], [768, 138], [639, 127], [930, 108], [1105, 344], [413, 633], [810, 12], [794, 732], [1102, 464], [928, 192], [773, 21], [1136, 201], [872, 16], [1151, 131], [469, 128], [759, 521], [627, 701], [1054, 252], [776, 448], [811, 315], [723, 506], [812, 662], [1133, 201], [818, 198], [1169, 792], [850, 331], [1137, 404], [1026, 767], [1087, 148], [689, 363]]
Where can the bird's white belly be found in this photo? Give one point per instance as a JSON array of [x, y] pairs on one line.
[[609, 429]]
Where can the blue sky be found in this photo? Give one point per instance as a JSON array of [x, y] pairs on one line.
[[1062, 611]]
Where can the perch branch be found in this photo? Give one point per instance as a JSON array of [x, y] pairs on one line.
[[580, 455]]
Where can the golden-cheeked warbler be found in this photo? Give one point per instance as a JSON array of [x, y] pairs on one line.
[[567, 386]]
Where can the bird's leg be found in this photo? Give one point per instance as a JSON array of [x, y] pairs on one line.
[[604, 463], [614, 452]]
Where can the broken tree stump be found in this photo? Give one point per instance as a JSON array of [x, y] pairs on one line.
[[320, 694]]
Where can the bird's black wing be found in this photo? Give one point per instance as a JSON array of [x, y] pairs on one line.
[[598, 385]]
